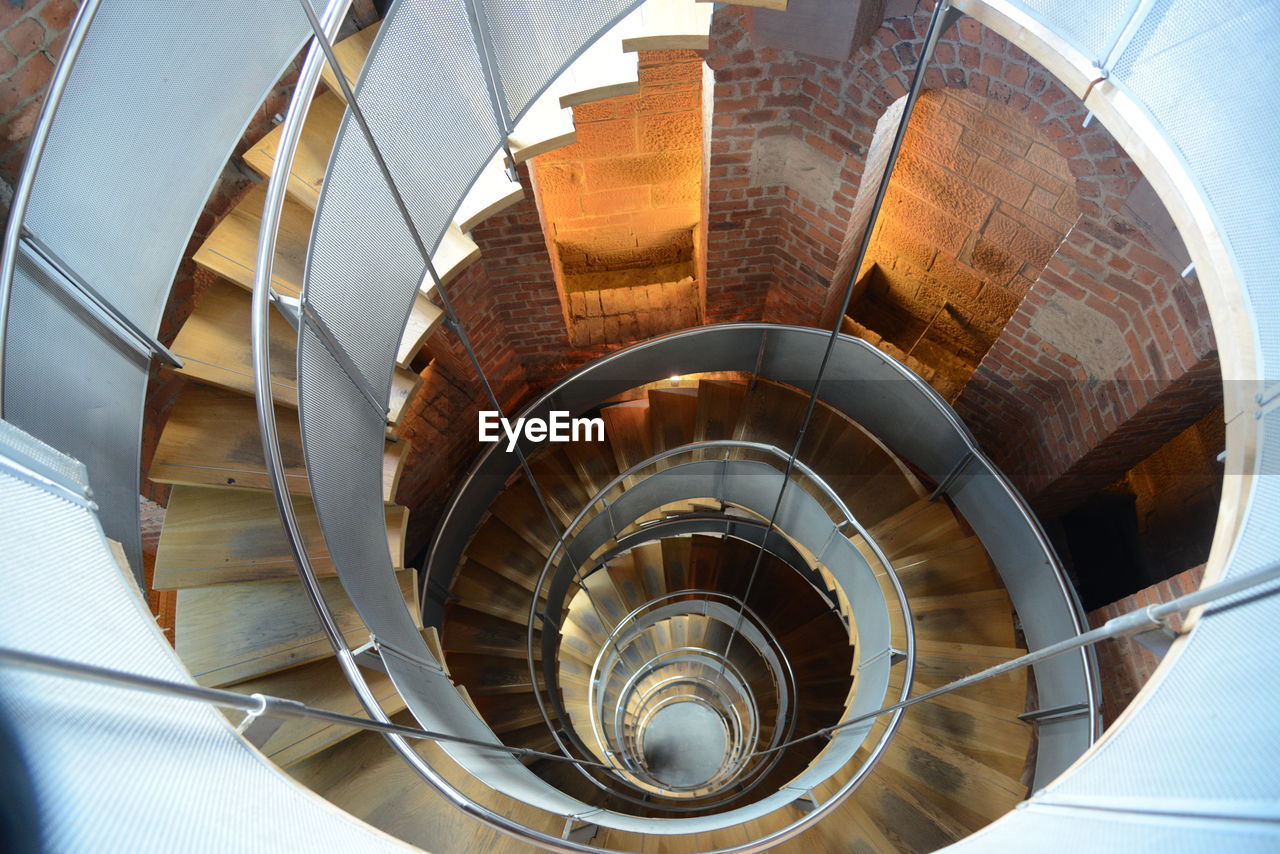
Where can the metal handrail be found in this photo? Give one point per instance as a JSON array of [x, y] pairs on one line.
[[848, 519], [784, 688], [254, 705], [291, 132], [646, 670], [788, 684], [495, 820], [759, 774]]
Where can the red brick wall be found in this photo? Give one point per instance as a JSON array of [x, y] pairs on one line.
[[776, 242], [1124, 664], [1110, 355], [32, 36]]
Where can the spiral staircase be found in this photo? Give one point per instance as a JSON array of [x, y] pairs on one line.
[[736, 623]]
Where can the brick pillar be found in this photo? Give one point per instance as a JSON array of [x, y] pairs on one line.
[[1110, 355], [521, 276], [1124, 664]]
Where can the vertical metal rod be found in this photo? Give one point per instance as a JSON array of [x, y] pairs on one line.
[[26, 181], [446, 303], [938, 22], [276, 184]]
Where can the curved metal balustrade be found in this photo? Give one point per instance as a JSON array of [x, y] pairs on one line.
[[896, 407]]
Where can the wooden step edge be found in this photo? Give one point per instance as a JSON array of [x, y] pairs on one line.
[[669, 25], [394, 455], [431, 636], [492, 193], [544, 127], [231, 248], [214, 344], [351, 53], [311, 160], [424, 319], [602, 71], [404, 385], [775, 5]]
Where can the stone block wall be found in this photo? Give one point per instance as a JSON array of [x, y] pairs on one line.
[[977, 205]]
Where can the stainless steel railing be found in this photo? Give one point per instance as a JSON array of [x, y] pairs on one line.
[[599, 500]]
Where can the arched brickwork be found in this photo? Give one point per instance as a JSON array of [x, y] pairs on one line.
[[770, 241], [790, 139]]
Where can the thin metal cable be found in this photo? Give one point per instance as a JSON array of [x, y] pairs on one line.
[[938, 22], [446, 303], [254, 705]]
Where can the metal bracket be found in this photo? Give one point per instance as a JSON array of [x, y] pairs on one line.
[[608, 512], [261, 723], [383, 649], [945, 483], [583, 834], [257, 728], [1157, 641], [290, 308], [1073, 710], [111, 319], [896, 657], [368, 656], [806, 803]]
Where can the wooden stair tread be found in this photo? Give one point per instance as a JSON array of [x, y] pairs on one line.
[[923, 526], [672, 414], [492, 193], [425, 317], [319, 684], [215, 347], [475, 632], [310, 162], [351, 53], [669, 25], [211, 438], [232, 632], [484, 590], [984, 617], [214, 536], [545, 126], [231, 249]]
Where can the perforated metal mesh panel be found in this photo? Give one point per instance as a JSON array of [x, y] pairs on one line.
[[1176, 66], [116, 770], [160, 95], [533, 41], [1092, 27], [365, 269], [74, 385], [429, 112], [343, 439], [1047, 830]]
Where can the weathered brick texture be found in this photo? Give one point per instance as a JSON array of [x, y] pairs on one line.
[[1110, 355], [790, 136], [978, 203], [1124, 664]]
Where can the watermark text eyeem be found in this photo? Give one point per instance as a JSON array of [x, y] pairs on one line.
[[559, 427]]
